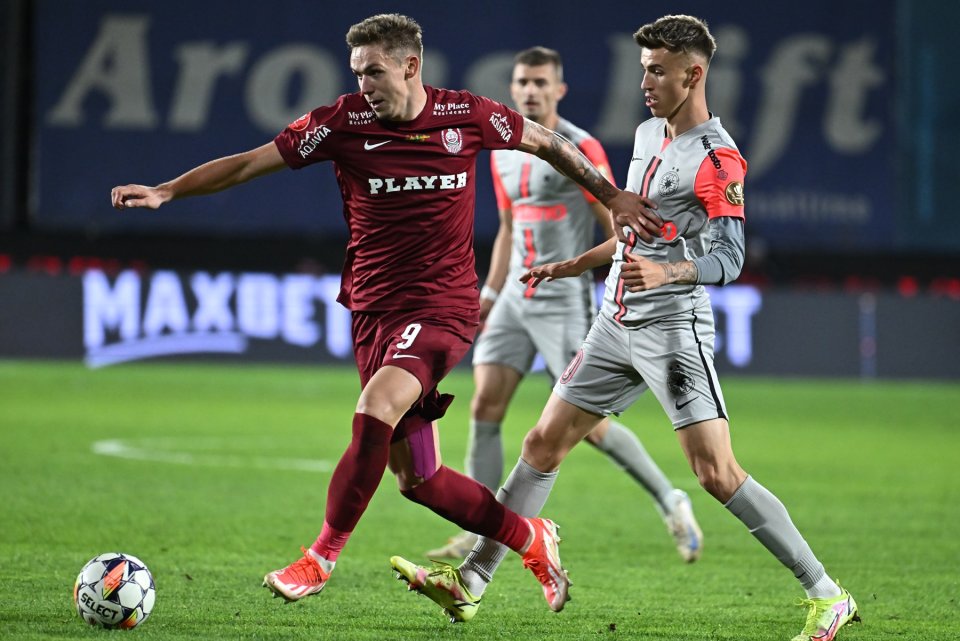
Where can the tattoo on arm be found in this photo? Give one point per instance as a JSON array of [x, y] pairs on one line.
[[683, 272]]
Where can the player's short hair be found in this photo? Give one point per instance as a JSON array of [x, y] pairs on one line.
[[539, 56], [399, 35], [680, 33]]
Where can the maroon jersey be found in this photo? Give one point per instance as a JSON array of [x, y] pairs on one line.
[[408, 192]]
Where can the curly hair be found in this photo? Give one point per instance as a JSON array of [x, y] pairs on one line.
[[680, 33], [397, 34]]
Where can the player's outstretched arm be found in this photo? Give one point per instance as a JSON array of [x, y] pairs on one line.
[[602, 254], [627, 209], [208, 178]]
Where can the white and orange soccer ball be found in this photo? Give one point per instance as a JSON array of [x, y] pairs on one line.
[[114, 590]]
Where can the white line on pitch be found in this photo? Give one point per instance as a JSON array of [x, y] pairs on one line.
[[124, 449]]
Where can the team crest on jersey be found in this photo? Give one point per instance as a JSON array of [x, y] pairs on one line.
[[452, 140], [669, 183], [300, 123], [734, 193]]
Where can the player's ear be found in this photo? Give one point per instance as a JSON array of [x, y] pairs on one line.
[[411, 67], [561, 91], [694, 76]]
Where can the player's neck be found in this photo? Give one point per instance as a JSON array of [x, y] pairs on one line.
[[415, 104], [691, 114]]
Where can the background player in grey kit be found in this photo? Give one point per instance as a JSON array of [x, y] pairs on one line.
[[546, 217], [656, 323]]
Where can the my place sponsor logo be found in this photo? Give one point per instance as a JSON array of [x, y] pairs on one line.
[[451, 109], [360, 117], [136, 316]]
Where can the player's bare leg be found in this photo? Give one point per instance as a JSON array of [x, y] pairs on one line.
[[710, 454]]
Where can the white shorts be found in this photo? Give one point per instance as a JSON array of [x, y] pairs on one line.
[[514, 333], [673, 356]]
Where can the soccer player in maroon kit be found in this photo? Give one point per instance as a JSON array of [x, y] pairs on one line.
[[404, 156]]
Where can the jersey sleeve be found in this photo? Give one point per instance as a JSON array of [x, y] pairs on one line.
[[594, 152], [503, 200], [720, 189], [500, 126], [309, 139]]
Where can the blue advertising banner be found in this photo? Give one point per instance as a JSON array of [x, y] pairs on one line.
[[111, 317], [140, 91]]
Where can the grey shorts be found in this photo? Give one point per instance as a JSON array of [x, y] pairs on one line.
[[516, 331], [672, 356]]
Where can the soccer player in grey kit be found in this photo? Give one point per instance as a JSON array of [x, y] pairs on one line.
[[404, 156], [656, 323], [546, 217]]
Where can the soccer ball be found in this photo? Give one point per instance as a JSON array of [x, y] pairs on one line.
[[114, 590]]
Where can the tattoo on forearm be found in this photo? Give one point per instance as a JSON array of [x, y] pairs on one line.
[[682, 272], [570, 161]]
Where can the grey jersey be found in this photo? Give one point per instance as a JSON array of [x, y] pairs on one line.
[[552, 219], [693, 178]]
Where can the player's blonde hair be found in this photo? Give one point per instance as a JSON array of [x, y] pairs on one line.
[[399, 35], [680, 33]]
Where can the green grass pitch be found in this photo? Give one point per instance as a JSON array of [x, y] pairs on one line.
[[225, 476]]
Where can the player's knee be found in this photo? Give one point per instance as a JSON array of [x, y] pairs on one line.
[[719, 481], [593, 438], [381, 408], [487, 406], [542, 451]]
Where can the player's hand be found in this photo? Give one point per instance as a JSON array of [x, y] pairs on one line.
[[636, 212], [485, 306], [128, 196], [639, 274], [550, 271]]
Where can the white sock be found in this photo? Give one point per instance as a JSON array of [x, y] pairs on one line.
[[474, 582], [825, 588], [325, 565]]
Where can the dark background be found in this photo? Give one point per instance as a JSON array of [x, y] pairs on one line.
[[845, 111]]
